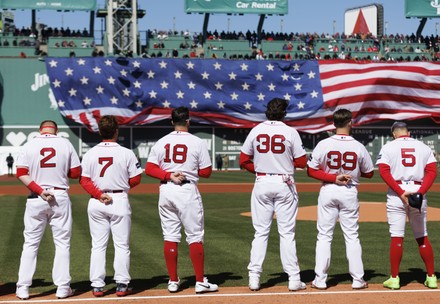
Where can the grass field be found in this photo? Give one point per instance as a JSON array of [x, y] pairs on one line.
[[228, 237]]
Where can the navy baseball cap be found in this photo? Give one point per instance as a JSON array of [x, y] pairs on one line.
[[398, 124]]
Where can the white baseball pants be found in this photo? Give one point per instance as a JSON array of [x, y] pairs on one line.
[[103, 220], [37, 215], [338, 202], [272, 195]]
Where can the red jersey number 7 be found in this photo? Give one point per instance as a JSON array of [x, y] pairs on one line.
[[107, 162]]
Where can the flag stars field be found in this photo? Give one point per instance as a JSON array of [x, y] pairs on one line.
[[232, 91]]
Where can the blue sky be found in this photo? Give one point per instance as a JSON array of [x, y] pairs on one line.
[[304, 16]]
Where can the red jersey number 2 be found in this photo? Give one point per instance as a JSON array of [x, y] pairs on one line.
[[48, 154], [107, 162]]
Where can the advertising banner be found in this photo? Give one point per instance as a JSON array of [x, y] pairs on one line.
[[79, 5], [422, 8], [279, 7]]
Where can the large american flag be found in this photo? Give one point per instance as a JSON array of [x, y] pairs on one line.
[[234, 93]]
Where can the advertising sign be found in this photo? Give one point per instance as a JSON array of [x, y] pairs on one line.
[[422, 8], [279, 7], [80, 5]]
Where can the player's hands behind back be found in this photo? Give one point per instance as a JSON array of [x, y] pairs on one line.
[[343, 179], [105, 199], [177, 177], [47, 196]]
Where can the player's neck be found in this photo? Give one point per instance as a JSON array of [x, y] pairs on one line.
[[181, 128], [343, 131]]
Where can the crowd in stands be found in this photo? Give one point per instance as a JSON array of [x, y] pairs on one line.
[[393, 47]]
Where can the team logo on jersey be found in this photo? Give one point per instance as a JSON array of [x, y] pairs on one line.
[[379, 156], [138, 165]]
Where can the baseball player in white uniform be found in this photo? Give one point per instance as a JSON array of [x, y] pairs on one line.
[[272, 151], [178, 160], [407, 166], [108, 172], [339, 161], [44, 165]]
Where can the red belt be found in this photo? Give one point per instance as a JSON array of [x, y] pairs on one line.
[[415, 182], [113, 191], [265, 174]]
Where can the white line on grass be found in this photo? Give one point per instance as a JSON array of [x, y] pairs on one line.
[[213, 295]]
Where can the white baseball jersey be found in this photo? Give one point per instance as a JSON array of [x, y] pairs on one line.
[[341, 154], [49, 159], [181, 151], [274, 146], [407, 158], [110, 166]]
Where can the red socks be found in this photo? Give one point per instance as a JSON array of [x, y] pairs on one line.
[[396, 252], [427, 254], [170, 253], [197, 254]]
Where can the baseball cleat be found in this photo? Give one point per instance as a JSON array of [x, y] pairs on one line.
[[98, 291], [205, 286], [123, 290], [431, 281], [22, 292], [362, 285], [254, 283], [65, 294], [316, 286], [173, 286], [296, 285], [392, 283]]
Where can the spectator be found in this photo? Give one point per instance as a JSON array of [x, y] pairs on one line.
[[10, 163]]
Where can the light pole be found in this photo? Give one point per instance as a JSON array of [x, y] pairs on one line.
[[281, 26], [436, 28], [229, 24], [386, 27], [174, 25], [334, 27]]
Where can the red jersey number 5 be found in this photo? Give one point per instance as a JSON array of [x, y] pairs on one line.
[[408, 158], [107, 162]]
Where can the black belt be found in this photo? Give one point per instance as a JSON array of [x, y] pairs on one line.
[[185, 181], [112, 191]]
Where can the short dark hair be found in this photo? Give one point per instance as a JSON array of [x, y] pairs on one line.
[[180, 116], [108, 125], [399, 125], [276, 109], [49, 123], [342, 117]]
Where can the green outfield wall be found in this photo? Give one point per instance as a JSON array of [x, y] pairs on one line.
[[26, 100]]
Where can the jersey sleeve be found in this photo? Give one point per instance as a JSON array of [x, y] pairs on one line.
[[134, 167], [85, 166], [74, 159], [298, 147], [315, 159], [366, 164], [22, 160], [247, 147], [204, 159], [153, 157], [382, 158]]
